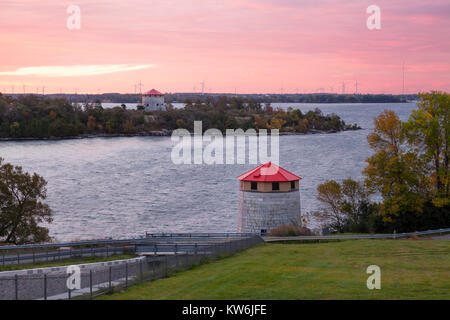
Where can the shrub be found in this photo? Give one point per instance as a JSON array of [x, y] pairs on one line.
[[290, 231]]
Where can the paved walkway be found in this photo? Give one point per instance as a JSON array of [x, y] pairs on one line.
[[443, 237]]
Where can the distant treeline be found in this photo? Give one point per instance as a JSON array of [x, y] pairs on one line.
[[43, 117], [262, 98]]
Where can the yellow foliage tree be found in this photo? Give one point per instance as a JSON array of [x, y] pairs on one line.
[[394, 170]]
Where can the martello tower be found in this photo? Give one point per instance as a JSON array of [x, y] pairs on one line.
[[268, 197], [153, 100]]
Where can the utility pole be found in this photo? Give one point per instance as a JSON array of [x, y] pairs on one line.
[[356, 86], [343, 87]]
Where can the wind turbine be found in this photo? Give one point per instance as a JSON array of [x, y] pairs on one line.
[[203, 87]]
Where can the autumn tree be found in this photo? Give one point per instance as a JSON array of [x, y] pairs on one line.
[[428, 132], [330, 195], [91, 124], [394, 170], [21, 206], [346, 206]]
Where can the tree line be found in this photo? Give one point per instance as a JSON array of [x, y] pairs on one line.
[[34, 116]]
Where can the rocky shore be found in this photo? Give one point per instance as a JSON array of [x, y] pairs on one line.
[[162, 133]]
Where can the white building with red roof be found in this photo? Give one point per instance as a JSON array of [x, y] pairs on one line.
[[269, 197], [153, 100]]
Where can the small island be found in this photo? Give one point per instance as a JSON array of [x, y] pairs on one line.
[[39, 117]]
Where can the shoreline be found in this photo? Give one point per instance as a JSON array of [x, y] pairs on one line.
[[163, 133]]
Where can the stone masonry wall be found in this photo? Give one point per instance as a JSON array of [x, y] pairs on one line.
[[266, 210], [154, 103]]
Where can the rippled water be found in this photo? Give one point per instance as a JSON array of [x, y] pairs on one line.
[[118, 187]]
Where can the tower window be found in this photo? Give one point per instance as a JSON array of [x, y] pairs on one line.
[[292, 185], [254, 185], [275, 186]]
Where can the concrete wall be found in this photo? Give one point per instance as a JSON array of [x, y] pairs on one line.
[[267, 210], [153, 103]]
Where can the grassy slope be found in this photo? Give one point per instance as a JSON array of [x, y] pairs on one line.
[[409, 270], [63, 262]]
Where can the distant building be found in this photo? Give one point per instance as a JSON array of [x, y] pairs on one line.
[[269, 197], [153, 100]]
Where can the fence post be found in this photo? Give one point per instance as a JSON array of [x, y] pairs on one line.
[[140, 270], [165, 266], [126, 275], [153, 270], [3, 254], [107, 251], [110, 277], [90, 283], [34, 259], [16, 284], [188, 266], [45, 286], [46, 255], [18, 257]]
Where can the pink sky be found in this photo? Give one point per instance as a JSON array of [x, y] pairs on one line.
[[251, 46]]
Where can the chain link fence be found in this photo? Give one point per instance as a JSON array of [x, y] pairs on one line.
[[104, 277], [34, 255]]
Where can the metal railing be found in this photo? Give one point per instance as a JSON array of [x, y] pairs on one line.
[[356, 237], [18, 254], [13, 257], [199, 235], [99, 278]]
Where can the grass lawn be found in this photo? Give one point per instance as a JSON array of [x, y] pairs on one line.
[[63, 262], [410, 269]]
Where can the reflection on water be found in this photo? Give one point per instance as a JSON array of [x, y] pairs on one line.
[[118, 187]]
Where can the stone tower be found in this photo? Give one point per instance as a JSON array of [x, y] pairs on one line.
[[153, 100], [268, 197]]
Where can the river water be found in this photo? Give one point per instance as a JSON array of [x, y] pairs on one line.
[[122, 187]]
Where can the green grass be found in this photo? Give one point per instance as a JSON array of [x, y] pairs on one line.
[[336, 270], [63, 262]]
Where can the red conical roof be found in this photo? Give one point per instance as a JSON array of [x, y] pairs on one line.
[[268, 172], [153, 92]]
